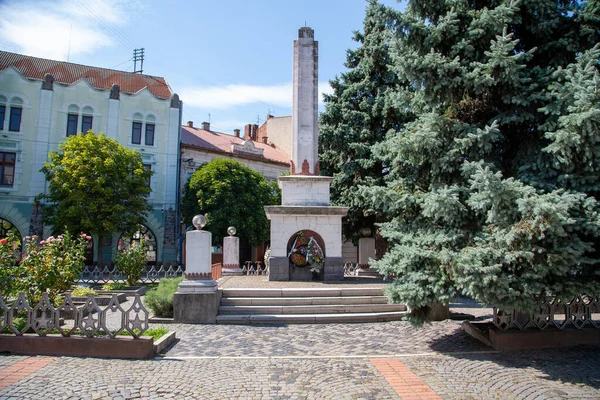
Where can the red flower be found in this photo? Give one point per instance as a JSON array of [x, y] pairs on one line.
[[3, 241]]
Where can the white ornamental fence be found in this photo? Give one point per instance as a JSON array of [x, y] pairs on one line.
[[69, 319]]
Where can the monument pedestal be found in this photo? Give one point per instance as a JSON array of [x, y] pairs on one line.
[[197, 298], [231, 256]]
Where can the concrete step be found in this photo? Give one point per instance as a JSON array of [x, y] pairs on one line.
[[344, 318], [302, 292], [311, 309], [298, 301]]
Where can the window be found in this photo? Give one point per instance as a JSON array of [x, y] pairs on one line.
[[2, 113], [7, 168], [136, 133], [72, 124], [14, 125], [86, 123], [149, 134], [145, 126]]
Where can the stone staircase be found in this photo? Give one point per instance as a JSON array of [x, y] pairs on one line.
[[307, 306]]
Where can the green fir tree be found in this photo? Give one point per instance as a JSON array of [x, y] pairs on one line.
[[491, 186], [358, 114]]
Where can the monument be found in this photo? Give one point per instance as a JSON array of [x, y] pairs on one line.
[[306, 232], [197, 298], [231, 253]]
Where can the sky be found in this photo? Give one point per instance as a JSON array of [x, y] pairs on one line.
[[230, 61]]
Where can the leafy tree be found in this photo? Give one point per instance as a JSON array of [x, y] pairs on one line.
[[229, 193], [492, 182], [358, 114], [96, 185]]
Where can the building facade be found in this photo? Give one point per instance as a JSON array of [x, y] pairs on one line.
[[43, 101]]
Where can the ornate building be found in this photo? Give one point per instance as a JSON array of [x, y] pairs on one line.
[[44, 101]]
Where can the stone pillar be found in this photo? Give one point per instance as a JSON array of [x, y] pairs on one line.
[[305, 143], [231, 256], [197, 298], [366, 250]]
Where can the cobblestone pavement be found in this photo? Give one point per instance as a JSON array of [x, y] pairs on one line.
[[321, 362]]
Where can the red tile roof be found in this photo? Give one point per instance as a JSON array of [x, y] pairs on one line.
[[217, 142], [100, 78]]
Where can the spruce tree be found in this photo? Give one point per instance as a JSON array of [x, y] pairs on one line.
[[491, 186], [358, 114]]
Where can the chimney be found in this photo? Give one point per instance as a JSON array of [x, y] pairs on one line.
[[206, 126], [269, 116], [191, 124], [254, 133], [264, 139], [236, 132], [247, 131]]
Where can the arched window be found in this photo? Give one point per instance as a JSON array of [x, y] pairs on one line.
[[143, 124], [7, 227], [73, 117], [150, 240]]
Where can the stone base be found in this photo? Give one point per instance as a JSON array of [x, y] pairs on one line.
[[196, 308], [74, 346], [197, 286], [281, 270], [439, 312], [231, 270], [530, 339]]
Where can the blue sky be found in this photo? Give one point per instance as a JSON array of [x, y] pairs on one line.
[[231, 59]]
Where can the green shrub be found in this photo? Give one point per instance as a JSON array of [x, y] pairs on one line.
[[131, 261], [114, 286], [160, 300], [82, 291]]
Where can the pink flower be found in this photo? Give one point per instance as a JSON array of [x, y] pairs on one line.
[[35, 237], [51, 238], [88, 237], [42, 242], [3, 241]]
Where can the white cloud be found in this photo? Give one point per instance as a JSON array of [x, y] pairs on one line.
[[43, 28], [221, 97]]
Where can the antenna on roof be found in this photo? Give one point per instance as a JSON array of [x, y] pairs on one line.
[[258, 119], [138, 55], [209, 118]]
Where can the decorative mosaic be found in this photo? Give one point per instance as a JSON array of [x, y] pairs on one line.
[[579, 312]]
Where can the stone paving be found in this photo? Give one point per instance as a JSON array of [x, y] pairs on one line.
[[338, 361]]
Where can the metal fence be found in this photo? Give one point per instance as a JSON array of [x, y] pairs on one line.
[[151, 274], [72, 319], [579, 312]]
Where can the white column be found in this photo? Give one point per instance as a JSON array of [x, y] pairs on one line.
[[231, 256], [198, 278], [366, 250]]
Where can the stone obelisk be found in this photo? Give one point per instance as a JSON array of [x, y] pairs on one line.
[[305, 138], [304, 194]]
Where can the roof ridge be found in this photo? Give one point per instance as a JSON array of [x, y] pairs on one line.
[[84, 65]]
